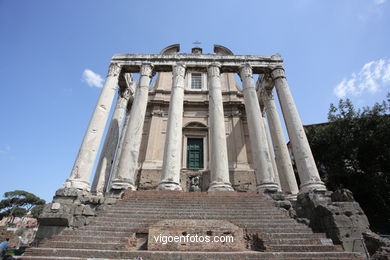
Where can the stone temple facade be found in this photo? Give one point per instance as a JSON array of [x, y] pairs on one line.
[[194, 128], [189, 151]]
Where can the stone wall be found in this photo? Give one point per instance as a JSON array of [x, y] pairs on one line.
[[335, 213], [70, 208]]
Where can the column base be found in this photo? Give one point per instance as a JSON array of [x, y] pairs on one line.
[[291, 197], [169, 186], [267, 187], [77, 184], [312, 186], [220, 186], [122, 185]]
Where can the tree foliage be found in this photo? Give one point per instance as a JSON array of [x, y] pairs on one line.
[[17, 203], [353, 151]]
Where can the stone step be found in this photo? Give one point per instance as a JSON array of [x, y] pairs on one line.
[[204, 215], [196, 198], [120, 220], [75, 238], [295, 241], [197, 212], [301, 248], [175, 255], [148, 222], [83, 245], [280, 235], [218, 204], [287, 229], [101, 239], [102, 233], [199, 203], [179, 194], [108, 234]]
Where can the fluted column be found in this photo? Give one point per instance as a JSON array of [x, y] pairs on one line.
[[260, 154], [106, 159], [128, 161], [170, 177], [82, 168], [307, 170], [282, 157], [219, 166]]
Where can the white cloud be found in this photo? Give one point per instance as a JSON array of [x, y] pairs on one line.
[[379, 2], [6, 149], [372, 77], [92, 79]]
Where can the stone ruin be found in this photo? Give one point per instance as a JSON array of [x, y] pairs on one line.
[[195, 152]]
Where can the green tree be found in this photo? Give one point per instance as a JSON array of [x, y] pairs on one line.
[[17, 203], [353, 151]]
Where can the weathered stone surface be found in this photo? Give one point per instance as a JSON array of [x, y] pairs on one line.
[[120, 232], [259, 147], [342, 220], [282, 157], [170, 175], [103, 170], [82, 168], [378, 247], [128, 161], [219, 165], [195, 235], [307, 169], [342, 195], [70, 208]]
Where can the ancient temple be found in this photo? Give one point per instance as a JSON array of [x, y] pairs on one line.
[[195, 124], [188, 150]]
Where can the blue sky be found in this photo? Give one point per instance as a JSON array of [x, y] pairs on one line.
[[51, 50]]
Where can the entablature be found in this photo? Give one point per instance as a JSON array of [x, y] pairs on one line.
[[229, 63]]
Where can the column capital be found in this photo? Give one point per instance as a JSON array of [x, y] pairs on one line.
[[277, 73], [213, 70], [215, 64], [267, 94], [146, 70], [113, 70], [246, 71], [179, 69], [265, 81], [124, 93]]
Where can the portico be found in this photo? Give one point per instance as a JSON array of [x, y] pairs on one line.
[[144, 148]]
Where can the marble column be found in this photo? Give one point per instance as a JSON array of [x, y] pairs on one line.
[[114, 171], [282, 157], [307, 170], [170, 177], [219, 165], [260, 154], [82, 168], [271, 153], [106, 159], [128, 161]]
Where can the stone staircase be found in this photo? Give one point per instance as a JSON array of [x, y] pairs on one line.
[[121, 231]]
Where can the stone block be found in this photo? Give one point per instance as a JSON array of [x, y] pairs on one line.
[[56, 217], [243, 181], [149, 179], [342, 195], [195, 235], [336, 214], [55, 206], [88, 211], [110, 200]]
